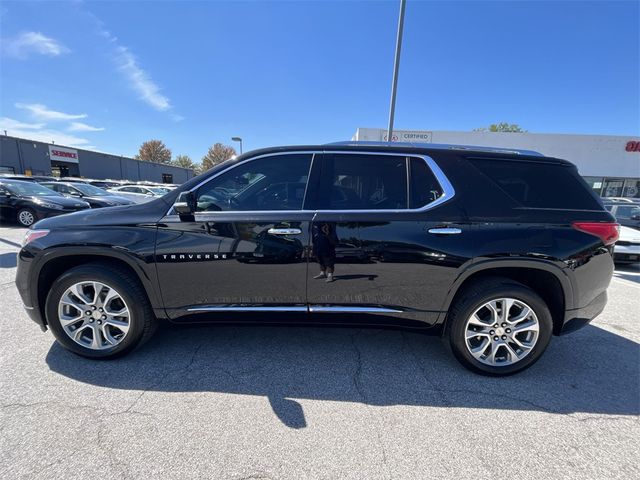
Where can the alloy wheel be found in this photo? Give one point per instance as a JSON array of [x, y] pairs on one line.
[[502, 332], [26, 218], [94, 315]]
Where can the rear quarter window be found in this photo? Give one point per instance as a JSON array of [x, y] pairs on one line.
[[540, 185]]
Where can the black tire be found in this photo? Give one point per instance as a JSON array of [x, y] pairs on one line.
[[472, 298], [25, 213], [142, 321]]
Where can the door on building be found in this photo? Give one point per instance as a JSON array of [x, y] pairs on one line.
[[64, 169], [167, 178]]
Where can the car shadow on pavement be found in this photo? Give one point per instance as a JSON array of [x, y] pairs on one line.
[[628, 272], [592, 371], [8, 260]]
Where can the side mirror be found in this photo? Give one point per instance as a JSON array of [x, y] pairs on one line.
[[185, 204]]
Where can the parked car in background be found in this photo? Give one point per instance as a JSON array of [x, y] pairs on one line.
[[28, 202], [495, 250], [94, 196], [139, 193], [27, 178], [626, 213], [627, 248], [105, 183]]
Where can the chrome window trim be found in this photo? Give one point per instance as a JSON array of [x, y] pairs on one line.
[[448, 192]]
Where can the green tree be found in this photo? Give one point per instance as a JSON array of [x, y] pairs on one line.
[[154, 151], [217, 154], [184, 161], [501, 127]]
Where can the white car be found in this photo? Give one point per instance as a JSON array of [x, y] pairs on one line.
[[627, 248], [139, 193]]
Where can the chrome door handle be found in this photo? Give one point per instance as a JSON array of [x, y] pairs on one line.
[[284, 231], [445, 231]]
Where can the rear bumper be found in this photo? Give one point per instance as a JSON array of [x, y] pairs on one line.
[[580, 317]]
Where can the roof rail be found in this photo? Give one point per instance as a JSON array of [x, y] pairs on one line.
[[440, 146]]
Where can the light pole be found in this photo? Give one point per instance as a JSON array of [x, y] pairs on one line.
[[396, 67], [238, 139]]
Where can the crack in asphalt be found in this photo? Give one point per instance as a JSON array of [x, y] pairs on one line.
[[356, 378]]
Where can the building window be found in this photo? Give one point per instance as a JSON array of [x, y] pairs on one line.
[[613, 187], [595, 183], [167, 178], [631, 188]]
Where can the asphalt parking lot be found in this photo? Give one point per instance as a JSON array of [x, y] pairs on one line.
[[293, 403]]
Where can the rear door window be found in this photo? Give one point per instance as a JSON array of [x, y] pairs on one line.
[[363, 182], [539, 184]]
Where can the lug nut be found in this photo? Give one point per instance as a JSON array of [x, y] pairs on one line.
[[504, 325], [99, 322], [88, 312], [496, 338], [492, 332], [496, 326], [508, 330], [91, 320], [504, 337], [104, 317], [93, 307], [101, 309]]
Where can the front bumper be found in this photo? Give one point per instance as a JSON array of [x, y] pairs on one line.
[[23, 284]]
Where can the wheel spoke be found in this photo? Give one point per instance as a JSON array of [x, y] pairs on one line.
[[119, 324], [524, 313], [107, 335], [471, 334], [77, 291], [476, 320], [96, 339], [531, 326]]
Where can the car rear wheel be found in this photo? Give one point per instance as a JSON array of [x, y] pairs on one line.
[[26, 217], [99, 311], [499, 327]]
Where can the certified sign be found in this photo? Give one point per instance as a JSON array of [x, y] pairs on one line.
[[62, 154], [409, 136]]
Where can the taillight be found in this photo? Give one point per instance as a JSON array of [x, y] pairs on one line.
[[607, 232], [32, 235]]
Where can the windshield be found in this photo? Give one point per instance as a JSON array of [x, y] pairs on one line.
[[30, 189], [158, 190], [90, 190]]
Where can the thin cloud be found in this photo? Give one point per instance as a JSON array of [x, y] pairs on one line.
[[43, 113], [32, 43], [83, 127], [11, 124], [141, 81], [15, 128]]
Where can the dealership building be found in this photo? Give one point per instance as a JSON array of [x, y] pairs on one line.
[[609, 163], [19, 155]]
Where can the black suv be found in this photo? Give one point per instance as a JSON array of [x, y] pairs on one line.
[[495, 250]]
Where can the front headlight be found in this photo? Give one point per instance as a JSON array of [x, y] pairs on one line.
[[53, 206]]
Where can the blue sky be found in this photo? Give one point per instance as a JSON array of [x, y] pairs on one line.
[[110, 75]]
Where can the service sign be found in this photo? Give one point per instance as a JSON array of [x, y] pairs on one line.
[[62, 154]]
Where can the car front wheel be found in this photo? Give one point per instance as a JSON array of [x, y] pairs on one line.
[[499, 327], [26, 217], [99, 311]]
